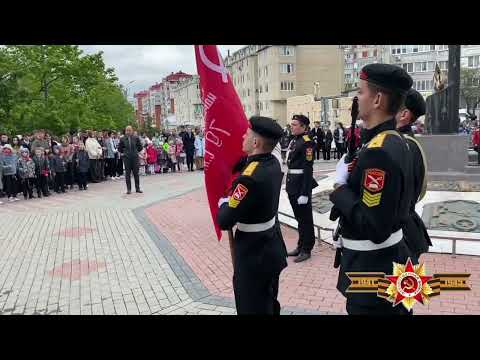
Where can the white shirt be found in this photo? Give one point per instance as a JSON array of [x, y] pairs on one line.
[[340, 135]]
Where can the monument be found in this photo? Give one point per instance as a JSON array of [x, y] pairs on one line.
[[446, 150]]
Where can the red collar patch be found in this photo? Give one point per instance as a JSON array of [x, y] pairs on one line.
[[374, 180]]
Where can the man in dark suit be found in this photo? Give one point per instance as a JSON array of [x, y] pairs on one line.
[[129, 147], [189, 146], [318, 137]]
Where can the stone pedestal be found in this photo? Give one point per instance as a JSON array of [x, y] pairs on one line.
[[447, 157]]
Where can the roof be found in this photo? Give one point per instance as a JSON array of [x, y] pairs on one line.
[[157, 86], [177, 76], [141, 94]]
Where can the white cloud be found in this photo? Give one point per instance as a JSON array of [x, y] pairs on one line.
[[148, 64]]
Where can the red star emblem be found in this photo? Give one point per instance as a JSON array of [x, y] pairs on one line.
[[409, 284]]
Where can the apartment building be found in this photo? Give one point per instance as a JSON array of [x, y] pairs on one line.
[[188, 104], [357, 56], [277, 72], [243, 66]]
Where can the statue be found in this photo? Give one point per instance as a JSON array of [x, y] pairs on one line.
[[442, 107]]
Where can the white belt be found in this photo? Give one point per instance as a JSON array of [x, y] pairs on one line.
[[295, 171], [256, 227], [367, 245]]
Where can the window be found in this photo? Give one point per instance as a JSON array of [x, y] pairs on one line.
[[404, 49], [266, 88], [404, 66], [266, 105], [261, 88], [431, 66], [424, 66], [265, 71], [287, 51], [287, 86], [410, 67], [473, 61], [286, 68], [364, 54], [432, 47], [248, 92], [375, 53], [354, 55], [418, 67]]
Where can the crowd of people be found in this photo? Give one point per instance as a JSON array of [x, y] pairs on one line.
[[44, 164]]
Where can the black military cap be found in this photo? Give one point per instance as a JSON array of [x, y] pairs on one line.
[[415, 103], [302, 118], [389, 77], [266, 127]]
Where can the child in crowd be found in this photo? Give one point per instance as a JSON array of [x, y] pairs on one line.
[[81, 164], [9, 165], [51, 176], [172, 152], [166, 148], [26, 173], [1, 173], [142, 156], [180, 153], [68, 155], [59, 167], [151, 158], [42, 172]]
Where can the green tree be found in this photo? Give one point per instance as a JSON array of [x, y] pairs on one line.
[[470, 89], [59, 88]]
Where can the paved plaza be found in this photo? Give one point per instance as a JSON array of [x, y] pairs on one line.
[[103, 252]]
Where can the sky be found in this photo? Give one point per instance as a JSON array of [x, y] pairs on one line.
[[148, 64]]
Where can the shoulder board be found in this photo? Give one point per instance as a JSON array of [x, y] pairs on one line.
[[424, 159], [378, 140], [306, 138], [250, 168]]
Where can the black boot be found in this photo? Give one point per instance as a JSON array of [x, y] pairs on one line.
[[295, 252], [302, 257]]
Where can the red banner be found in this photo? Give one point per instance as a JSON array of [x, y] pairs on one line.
[[225, 125]]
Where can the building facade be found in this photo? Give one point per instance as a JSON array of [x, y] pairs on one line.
[[265, 76], [188, 104], [357, 56]]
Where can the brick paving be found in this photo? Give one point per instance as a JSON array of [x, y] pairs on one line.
[[103, 252]]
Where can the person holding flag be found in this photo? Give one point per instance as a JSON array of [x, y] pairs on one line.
[[259, 250]]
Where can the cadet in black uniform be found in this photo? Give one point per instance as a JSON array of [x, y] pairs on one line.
[[371, 199], [259, 250], [300, 183], [414, 229]]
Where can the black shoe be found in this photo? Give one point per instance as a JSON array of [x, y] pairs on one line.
[[128, 192], [25, 197], [302, 257], [295, 252], [39, 196], [139, 191], [31, 196]]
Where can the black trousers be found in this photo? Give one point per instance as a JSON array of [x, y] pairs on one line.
[[190, 160], [82, 180], [318, 149], [340, 149], [42, 185], [27, 187], [256, 295], [110, 167], [478, 157], [101, 169], [59, 182], [69, 174], [93, 170], [119, 166], [304, 216], [131, 165], [10, 185], [385, 308], [326, 152]]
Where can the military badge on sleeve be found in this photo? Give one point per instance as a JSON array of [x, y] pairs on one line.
[[238, 195], [309, 154], [373, 184]]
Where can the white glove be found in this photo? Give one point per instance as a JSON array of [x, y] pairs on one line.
[[223, 200], [338, 244], [302, 200], [341, 173]]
